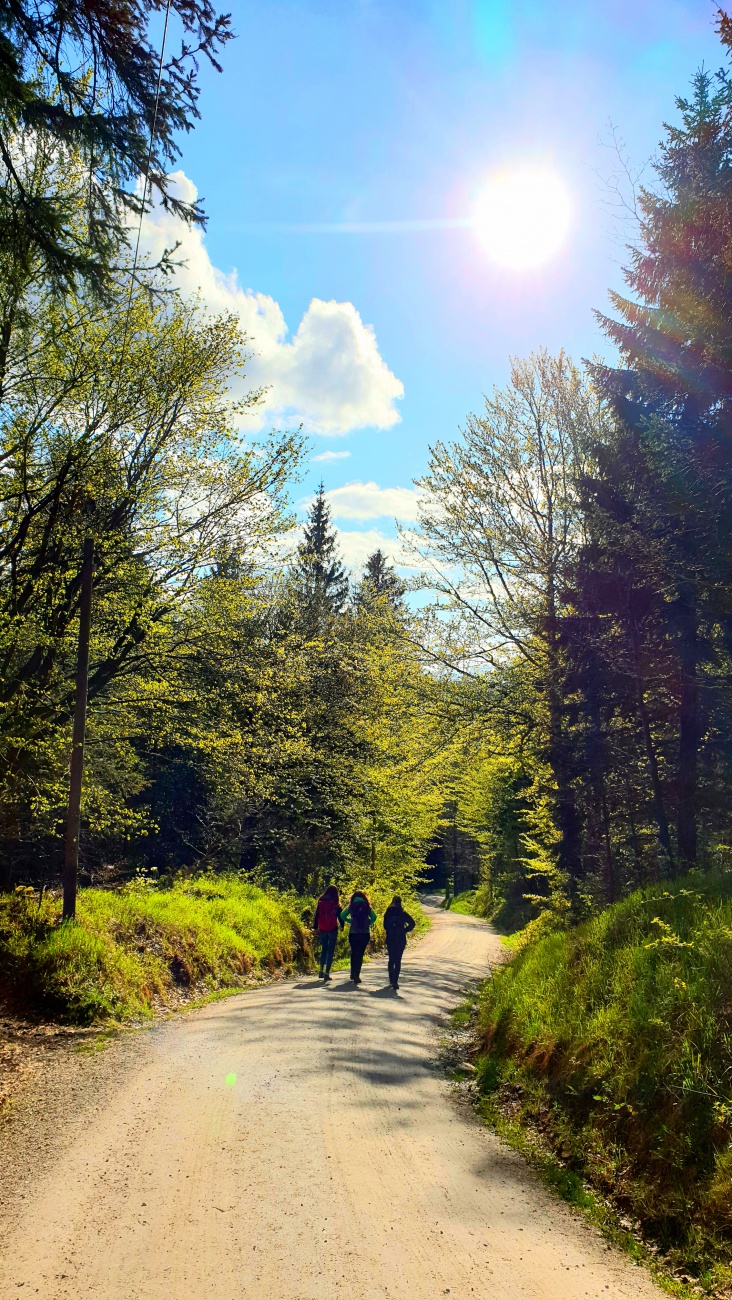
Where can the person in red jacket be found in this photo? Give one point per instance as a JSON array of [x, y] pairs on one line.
[[325, 922]]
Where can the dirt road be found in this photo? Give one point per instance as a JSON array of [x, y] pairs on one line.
[[335, 1166]]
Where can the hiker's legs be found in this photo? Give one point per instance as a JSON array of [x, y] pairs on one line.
[[359, 944], [396, 952], [328, 940]]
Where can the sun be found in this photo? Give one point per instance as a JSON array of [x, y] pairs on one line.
[[523, 217]]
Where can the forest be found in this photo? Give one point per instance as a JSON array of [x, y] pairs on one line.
[[534, 712], [542, 702]]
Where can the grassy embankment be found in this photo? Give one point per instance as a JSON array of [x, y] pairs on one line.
[[139, 949], [612, 1045], [464, 903]]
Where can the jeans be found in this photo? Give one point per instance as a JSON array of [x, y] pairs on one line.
[[359, 943], [328, 940], [396, 952]]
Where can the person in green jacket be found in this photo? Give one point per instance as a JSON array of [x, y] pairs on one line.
[[361, 915]]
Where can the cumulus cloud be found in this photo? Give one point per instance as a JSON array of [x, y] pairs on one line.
[[329, 374], [356, 547], [369, 501], [331, 455]]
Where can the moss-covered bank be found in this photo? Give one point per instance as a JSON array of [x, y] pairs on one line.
[[133, 949]]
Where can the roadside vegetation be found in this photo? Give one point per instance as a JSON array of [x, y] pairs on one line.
[[138, 948], [471, 902], [611, 1043], [463, 903]]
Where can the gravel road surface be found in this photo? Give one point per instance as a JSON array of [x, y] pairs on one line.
[[335, 1166]]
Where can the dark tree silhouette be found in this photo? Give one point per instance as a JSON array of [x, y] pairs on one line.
[[320, 580], [670, 466], [87, 76], [379, 581]]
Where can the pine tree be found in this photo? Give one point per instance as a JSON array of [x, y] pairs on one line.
[[379, 582], [319, 578]]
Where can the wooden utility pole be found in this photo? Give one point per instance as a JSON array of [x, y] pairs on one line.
[[71, 851], [454, 851]]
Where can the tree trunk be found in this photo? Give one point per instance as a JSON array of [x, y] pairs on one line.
[[611, 875], [454, 853], [659, 807], [73, 820], [598, 765], [567, 819], [568, 825], [640, 868], [6, 331], [689, 734]]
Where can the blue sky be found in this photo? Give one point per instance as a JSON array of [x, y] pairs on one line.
[[378, 111]]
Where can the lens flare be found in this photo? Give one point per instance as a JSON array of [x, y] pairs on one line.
[[230, 1080], [522, 218]]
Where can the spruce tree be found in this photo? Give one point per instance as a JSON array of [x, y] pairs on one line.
[[379, 582], [88, 80], [668, 474], [319, 578]]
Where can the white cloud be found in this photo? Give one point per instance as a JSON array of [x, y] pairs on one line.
[[369, 501], [356, 547], [329, 375], [331, 455]]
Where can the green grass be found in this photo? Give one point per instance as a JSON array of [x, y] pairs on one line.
[[137, 948], [464, 903], [472, 902], [143, 948], [613, 1042]]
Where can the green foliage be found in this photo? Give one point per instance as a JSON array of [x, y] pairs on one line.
[[467, 903], [578, 537], [617, 1036], [379, 583], [319, 580], [654, 590], [241, 718], [124, 428], [132, 949]]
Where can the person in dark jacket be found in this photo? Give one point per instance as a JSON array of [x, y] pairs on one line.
[[397, 924], [325, 922], [361, 915]]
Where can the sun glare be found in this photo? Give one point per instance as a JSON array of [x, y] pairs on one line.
[[522, 218]]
